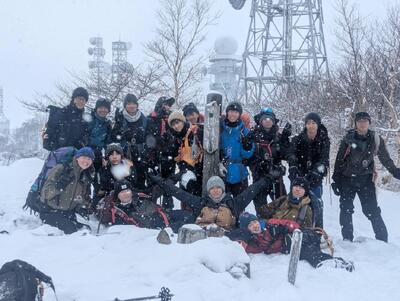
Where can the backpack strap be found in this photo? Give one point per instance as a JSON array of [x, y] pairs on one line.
[[302, 215], [163, 216]]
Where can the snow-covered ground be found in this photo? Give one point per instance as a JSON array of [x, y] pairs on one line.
[[128, 262]]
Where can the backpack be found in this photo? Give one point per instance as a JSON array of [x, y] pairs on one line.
[[192, 154], [63, 155], [52, 128], [20, 281]]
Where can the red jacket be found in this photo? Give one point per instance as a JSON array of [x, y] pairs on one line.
[[265, 243]]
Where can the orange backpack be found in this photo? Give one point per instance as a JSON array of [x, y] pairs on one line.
[[191, 154]]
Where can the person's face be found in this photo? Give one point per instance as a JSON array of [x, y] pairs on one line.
[[311, 126], [298, 191], [267, 123], [177, 125], [193, 118], [131, 108], [125, 196], [115, 158], [216, 192], [80, 102], [254, 227], [84, 162], [102, 111], [166, 108], [233, 116], [362, 125]]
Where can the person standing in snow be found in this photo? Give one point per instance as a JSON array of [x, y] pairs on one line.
[[184, 145], [129, 131], [99, 130], [355, 173], [218, 207], [271, 147], [66, 126], [274, 236], [66, 191], [234, 150], [310, 158]]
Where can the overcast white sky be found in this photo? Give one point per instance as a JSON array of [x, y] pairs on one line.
[[40, 40]]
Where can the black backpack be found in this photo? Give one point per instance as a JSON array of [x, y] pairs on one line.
[[20, 281]]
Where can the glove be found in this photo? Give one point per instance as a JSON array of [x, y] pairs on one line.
[[153, 176], [287, 130], [222, 170], [187, 177], [247, 144], [277, 230], [277, 170], [336, 188], [63, 182], [293, 173], [313, 177]]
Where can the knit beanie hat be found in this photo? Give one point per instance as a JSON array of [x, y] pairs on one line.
[[102, 102], [362, 115], [80, 92], [175, 116], [234, 106], [114, 147], [215, 181], [245, 219], [314, 117], [121, 185], [130, 98], [189, 109], [299, 181], [85, 151]]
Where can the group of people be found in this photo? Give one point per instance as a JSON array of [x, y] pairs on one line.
[[123, 167]]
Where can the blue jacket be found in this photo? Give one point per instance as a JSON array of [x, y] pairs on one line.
[[99, 132], [233, 152]]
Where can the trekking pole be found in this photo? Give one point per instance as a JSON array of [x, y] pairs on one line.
[[328, 180], [163, 295], [100, 220]]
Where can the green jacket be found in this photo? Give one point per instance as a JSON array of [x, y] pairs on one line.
[[74, 194]]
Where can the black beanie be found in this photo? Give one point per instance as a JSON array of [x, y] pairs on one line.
[[102, 102], [303, 183], [314, 117], [130, 98], [80, 92], [120, 186], [189, 109], [234, 106], [362, 115], [114, 147]]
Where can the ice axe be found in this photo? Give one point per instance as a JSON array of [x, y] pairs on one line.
[[163, 295]]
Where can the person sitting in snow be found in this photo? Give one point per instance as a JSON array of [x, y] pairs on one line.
[[274, 236], [217, 207], [116, 168], [296, 206], [125, 206], [66, 191]]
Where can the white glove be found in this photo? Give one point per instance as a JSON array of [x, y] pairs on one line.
[[222, 170], [186, 177]]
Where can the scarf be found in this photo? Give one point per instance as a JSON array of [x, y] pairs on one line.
[[131, 118]]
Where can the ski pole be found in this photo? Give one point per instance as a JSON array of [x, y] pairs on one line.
[[164, 295]]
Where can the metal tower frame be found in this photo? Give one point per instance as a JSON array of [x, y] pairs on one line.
[[285, 49]]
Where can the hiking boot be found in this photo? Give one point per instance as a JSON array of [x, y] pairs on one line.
[[338, 263]]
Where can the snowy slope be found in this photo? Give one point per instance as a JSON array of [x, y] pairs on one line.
[[130, 263]]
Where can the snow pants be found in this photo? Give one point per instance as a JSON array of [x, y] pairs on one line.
[[311, 249], [364, 187], [65, 221]]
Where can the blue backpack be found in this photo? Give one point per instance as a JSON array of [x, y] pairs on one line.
[[63, 155]]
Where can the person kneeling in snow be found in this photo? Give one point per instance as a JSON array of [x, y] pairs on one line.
[[218, 207], [66, 191], [274, 236], [126, 207]]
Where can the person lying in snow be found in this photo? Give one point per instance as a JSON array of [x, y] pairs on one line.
[[124, 206], [217, 207], [274, 236]]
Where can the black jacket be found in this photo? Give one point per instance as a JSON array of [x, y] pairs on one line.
[[271, 148], [311, 157], [356, 155], [235, 204], [66, 127]]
